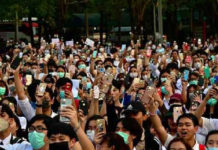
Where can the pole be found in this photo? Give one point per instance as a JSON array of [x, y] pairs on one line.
[[160, 20], [154, 17], [86, 23], [16, 26]]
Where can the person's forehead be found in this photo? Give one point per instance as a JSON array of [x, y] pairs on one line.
[[185, 120], [59, 135], [38, 123]]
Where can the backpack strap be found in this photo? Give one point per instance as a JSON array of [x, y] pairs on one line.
[[15, 140], [201, 147]]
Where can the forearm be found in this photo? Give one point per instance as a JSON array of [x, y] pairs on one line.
[[184, 96], [199, 111], [19, 87], [85, 143], [45, 69]]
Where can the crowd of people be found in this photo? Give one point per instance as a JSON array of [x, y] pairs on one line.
[[90, 96]]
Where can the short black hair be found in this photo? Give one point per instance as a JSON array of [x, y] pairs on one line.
[[172, 65], [94, 117], [209, 134], [189, 116], [63, 128], [62, 81], [61, 66], [7, 110], [46, 120]]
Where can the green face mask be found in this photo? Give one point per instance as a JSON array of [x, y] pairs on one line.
[[193, 82], [82, 66], [124, 136], [36, 139], [2, 91], [212, 80], [212, 101], [61, 74]]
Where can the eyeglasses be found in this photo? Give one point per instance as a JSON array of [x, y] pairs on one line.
[[37, 129]]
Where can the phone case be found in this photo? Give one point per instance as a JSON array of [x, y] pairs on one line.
[[136, 80], [41, 89], [28, 79], [177, 111], [101, 125], [68, 87], [65, 102], [186, 75], [94, 54], [83, 105], [96, 92], [207, 72]]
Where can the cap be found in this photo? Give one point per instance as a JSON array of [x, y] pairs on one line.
[[176, 98], [134, 108]]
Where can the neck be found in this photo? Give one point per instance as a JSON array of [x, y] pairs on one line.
[[117, 103], [47, 112], [5, 134], [191, 142]]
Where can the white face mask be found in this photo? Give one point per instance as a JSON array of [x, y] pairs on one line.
[[145, 77], [90, 134], [198, 65], [133, 74]]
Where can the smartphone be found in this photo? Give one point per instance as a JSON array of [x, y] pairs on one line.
[[207, 72], [83, 105], [65, 102], [136, 80], [177, 111], [216, 78], [71, 56], [139, 62], [123, 47], [186, 75], [29, 79], [16, 61], [149, 52], [101, 125], [67, 87], [149, 92], [94, 55], [96, 92], [41, 89], [47, 57]]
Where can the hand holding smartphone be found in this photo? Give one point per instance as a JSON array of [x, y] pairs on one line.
[[65, 102], [101, 125], [41, 89]]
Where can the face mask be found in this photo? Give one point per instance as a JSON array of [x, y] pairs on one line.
[[75, 61], [34, 72], [101, 49], [61, 74], [90, 134], [212, 148], [133, 74], [82, 66], [36, 139], [163, 79], [45, 104], [2, 91], [3, 124], [58, 146], [163, 90], [212, 101], [145, 77], [62, 94], [102, 70], [88, 85], [124, 136], [198, 65], [193, 82]]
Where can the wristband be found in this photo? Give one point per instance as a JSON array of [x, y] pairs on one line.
[[37, 105], [152, 114]]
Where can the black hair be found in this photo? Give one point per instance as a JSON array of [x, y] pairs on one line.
[[46, 120], [49, 79], [171, 66], [194, 74], [62, 128], [131, 125], [62, 81], [115, 140], [51, 93], [83, 74], [189, 116], [61, 66], [178, 139], [209, 134], [7, 110], [11, 100], [51, 62], [31, 89]]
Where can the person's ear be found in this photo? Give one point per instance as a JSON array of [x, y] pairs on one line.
[[196, 129], [72, 143]]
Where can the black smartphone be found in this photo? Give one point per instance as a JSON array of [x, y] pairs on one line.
[[83, 105], [16, 61]]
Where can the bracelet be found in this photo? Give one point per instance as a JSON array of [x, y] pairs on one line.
[[77, 128], [37, 105], [152, 114]]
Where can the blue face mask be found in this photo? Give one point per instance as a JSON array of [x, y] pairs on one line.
[[193, 82], [124, 136], [212, 148], [88, 85], [62, 94], [163, 90], [212, 101], [36, 139], [82, 66]]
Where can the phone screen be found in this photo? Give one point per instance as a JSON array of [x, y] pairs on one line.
[[94, 55], [177, 111], [65, 102]]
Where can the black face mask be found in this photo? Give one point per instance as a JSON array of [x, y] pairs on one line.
[[59, 146], [45, 104]]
